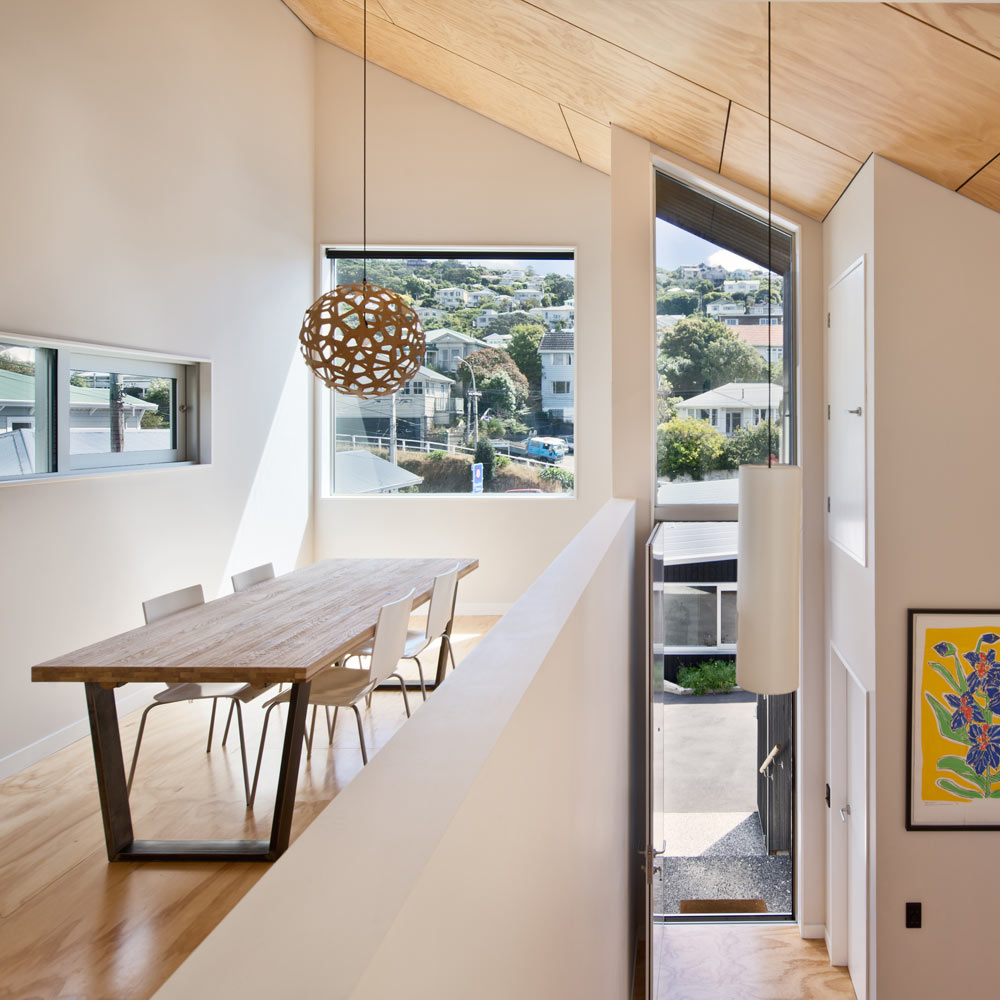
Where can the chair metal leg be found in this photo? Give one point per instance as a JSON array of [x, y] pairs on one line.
[[138, 741], [229, 719], [402, 687], [312, 733], [333, 725], [260, 757], [211, 725], [420, 672], [243, 749], [329, 724], [361, 735], [447, 639]]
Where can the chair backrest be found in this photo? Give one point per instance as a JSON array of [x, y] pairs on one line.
[[390, 638], [169, 604], [442, 604], [250, 577]]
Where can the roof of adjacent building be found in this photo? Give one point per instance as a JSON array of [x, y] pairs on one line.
[[18, 388], [362, 472], [755, 334], [429, 375], [446, 333], [736, 394], [681, 542], [557, 340]]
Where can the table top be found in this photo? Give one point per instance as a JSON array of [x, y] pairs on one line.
[[284, 630]]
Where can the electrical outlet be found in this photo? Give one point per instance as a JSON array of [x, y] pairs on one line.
[[913, 914]]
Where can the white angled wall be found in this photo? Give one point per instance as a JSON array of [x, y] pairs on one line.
[[157, 181], [441, 175]]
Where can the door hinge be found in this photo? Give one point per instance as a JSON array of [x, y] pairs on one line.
[[827, 411], [828, 505], [828, 321]]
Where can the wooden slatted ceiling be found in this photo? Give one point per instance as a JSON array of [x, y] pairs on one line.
[[917, 83]]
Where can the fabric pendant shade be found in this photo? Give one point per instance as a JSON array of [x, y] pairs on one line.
[[769, 574]]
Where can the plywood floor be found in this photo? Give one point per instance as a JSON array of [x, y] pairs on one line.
[[743, 962], [73, 926]]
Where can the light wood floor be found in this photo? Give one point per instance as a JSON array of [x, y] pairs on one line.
[[74, 926], [743, 962]]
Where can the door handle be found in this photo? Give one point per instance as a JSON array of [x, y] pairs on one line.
[[775, 750], [845, 812], [856, 411]]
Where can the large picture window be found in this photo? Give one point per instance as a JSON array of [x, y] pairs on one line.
[[496, 388], [65, 410]]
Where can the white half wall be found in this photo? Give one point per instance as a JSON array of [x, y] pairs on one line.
[[157, 175], [440, 175], [484, 850]]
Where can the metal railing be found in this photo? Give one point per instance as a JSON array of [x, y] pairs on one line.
[[423, 446]]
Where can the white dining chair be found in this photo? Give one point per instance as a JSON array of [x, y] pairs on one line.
[[440, 611], [154, 610], [251, 577], [343, 687]]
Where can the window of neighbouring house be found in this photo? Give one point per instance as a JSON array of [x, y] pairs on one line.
[[493, 373], [65, 410]]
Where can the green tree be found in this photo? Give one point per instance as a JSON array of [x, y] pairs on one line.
[[553, 474], [9, 363], [677, 302], [498, 394], [486, 453], [559, 287], [686, 446], [490, 360], [523, 348], [751, 445], [699, 353]]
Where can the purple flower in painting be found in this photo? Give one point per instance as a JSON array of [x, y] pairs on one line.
[[966, 710], [984, 753], [985, 670], [989, 637], [945, 649]]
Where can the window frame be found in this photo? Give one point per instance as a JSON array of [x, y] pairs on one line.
[[192, 439], [326, 401]]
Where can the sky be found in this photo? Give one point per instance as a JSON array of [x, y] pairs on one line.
[[675, 247]]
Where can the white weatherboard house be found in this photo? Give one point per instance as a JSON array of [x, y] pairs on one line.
[[734, 405], [446, 347], [452, 298], [551, 315], [556, 350]]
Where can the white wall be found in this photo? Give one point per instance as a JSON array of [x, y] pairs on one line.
[[157, 180], [484, 850], [936, 488], [440, 175]]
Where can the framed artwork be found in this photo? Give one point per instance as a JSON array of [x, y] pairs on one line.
[[953, 727]]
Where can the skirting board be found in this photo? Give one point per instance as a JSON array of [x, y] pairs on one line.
[[34, 752], [811, 932]]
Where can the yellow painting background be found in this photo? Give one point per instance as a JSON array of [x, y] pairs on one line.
[[932, 744]]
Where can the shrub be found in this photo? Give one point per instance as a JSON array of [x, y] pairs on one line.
[[486, 454], [686, 446], [708, 676], [553, 474]]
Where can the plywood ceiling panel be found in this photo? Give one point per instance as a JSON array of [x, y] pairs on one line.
[[985, 186], [719, 46], [975, 23], [579, 70], [917, 83], [865, 77], [805, 175], [593, 139], [440, 70]]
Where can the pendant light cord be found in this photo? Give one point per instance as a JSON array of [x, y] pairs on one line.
[[364, 144], [770, 233]]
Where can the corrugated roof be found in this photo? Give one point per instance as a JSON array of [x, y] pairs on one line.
[[712, 491], [432, 336], [682, 542], [736, 394], [18, 388], [755, 334]]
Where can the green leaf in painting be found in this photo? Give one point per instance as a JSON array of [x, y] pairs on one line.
[[959, 767], [946, 674], [963, 793], [943, 716]]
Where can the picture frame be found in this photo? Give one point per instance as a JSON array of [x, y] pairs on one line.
[[953, 721]]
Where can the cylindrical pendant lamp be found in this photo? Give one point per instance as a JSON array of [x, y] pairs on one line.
[[768, 578]]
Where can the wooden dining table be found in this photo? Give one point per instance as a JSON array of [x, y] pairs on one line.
[[285, 630]]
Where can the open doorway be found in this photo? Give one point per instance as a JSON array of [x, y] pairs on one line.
[[722, 772]]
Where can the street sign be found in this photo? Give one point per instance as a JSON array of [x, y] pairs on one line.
[[477, 477]]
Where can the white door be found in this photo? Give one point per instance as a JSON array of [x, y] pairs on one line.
[[857, 836]]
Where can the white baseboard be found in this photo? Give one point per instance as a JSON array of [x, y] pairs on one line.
[[480, 609], [813, 932], [40, 749]]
